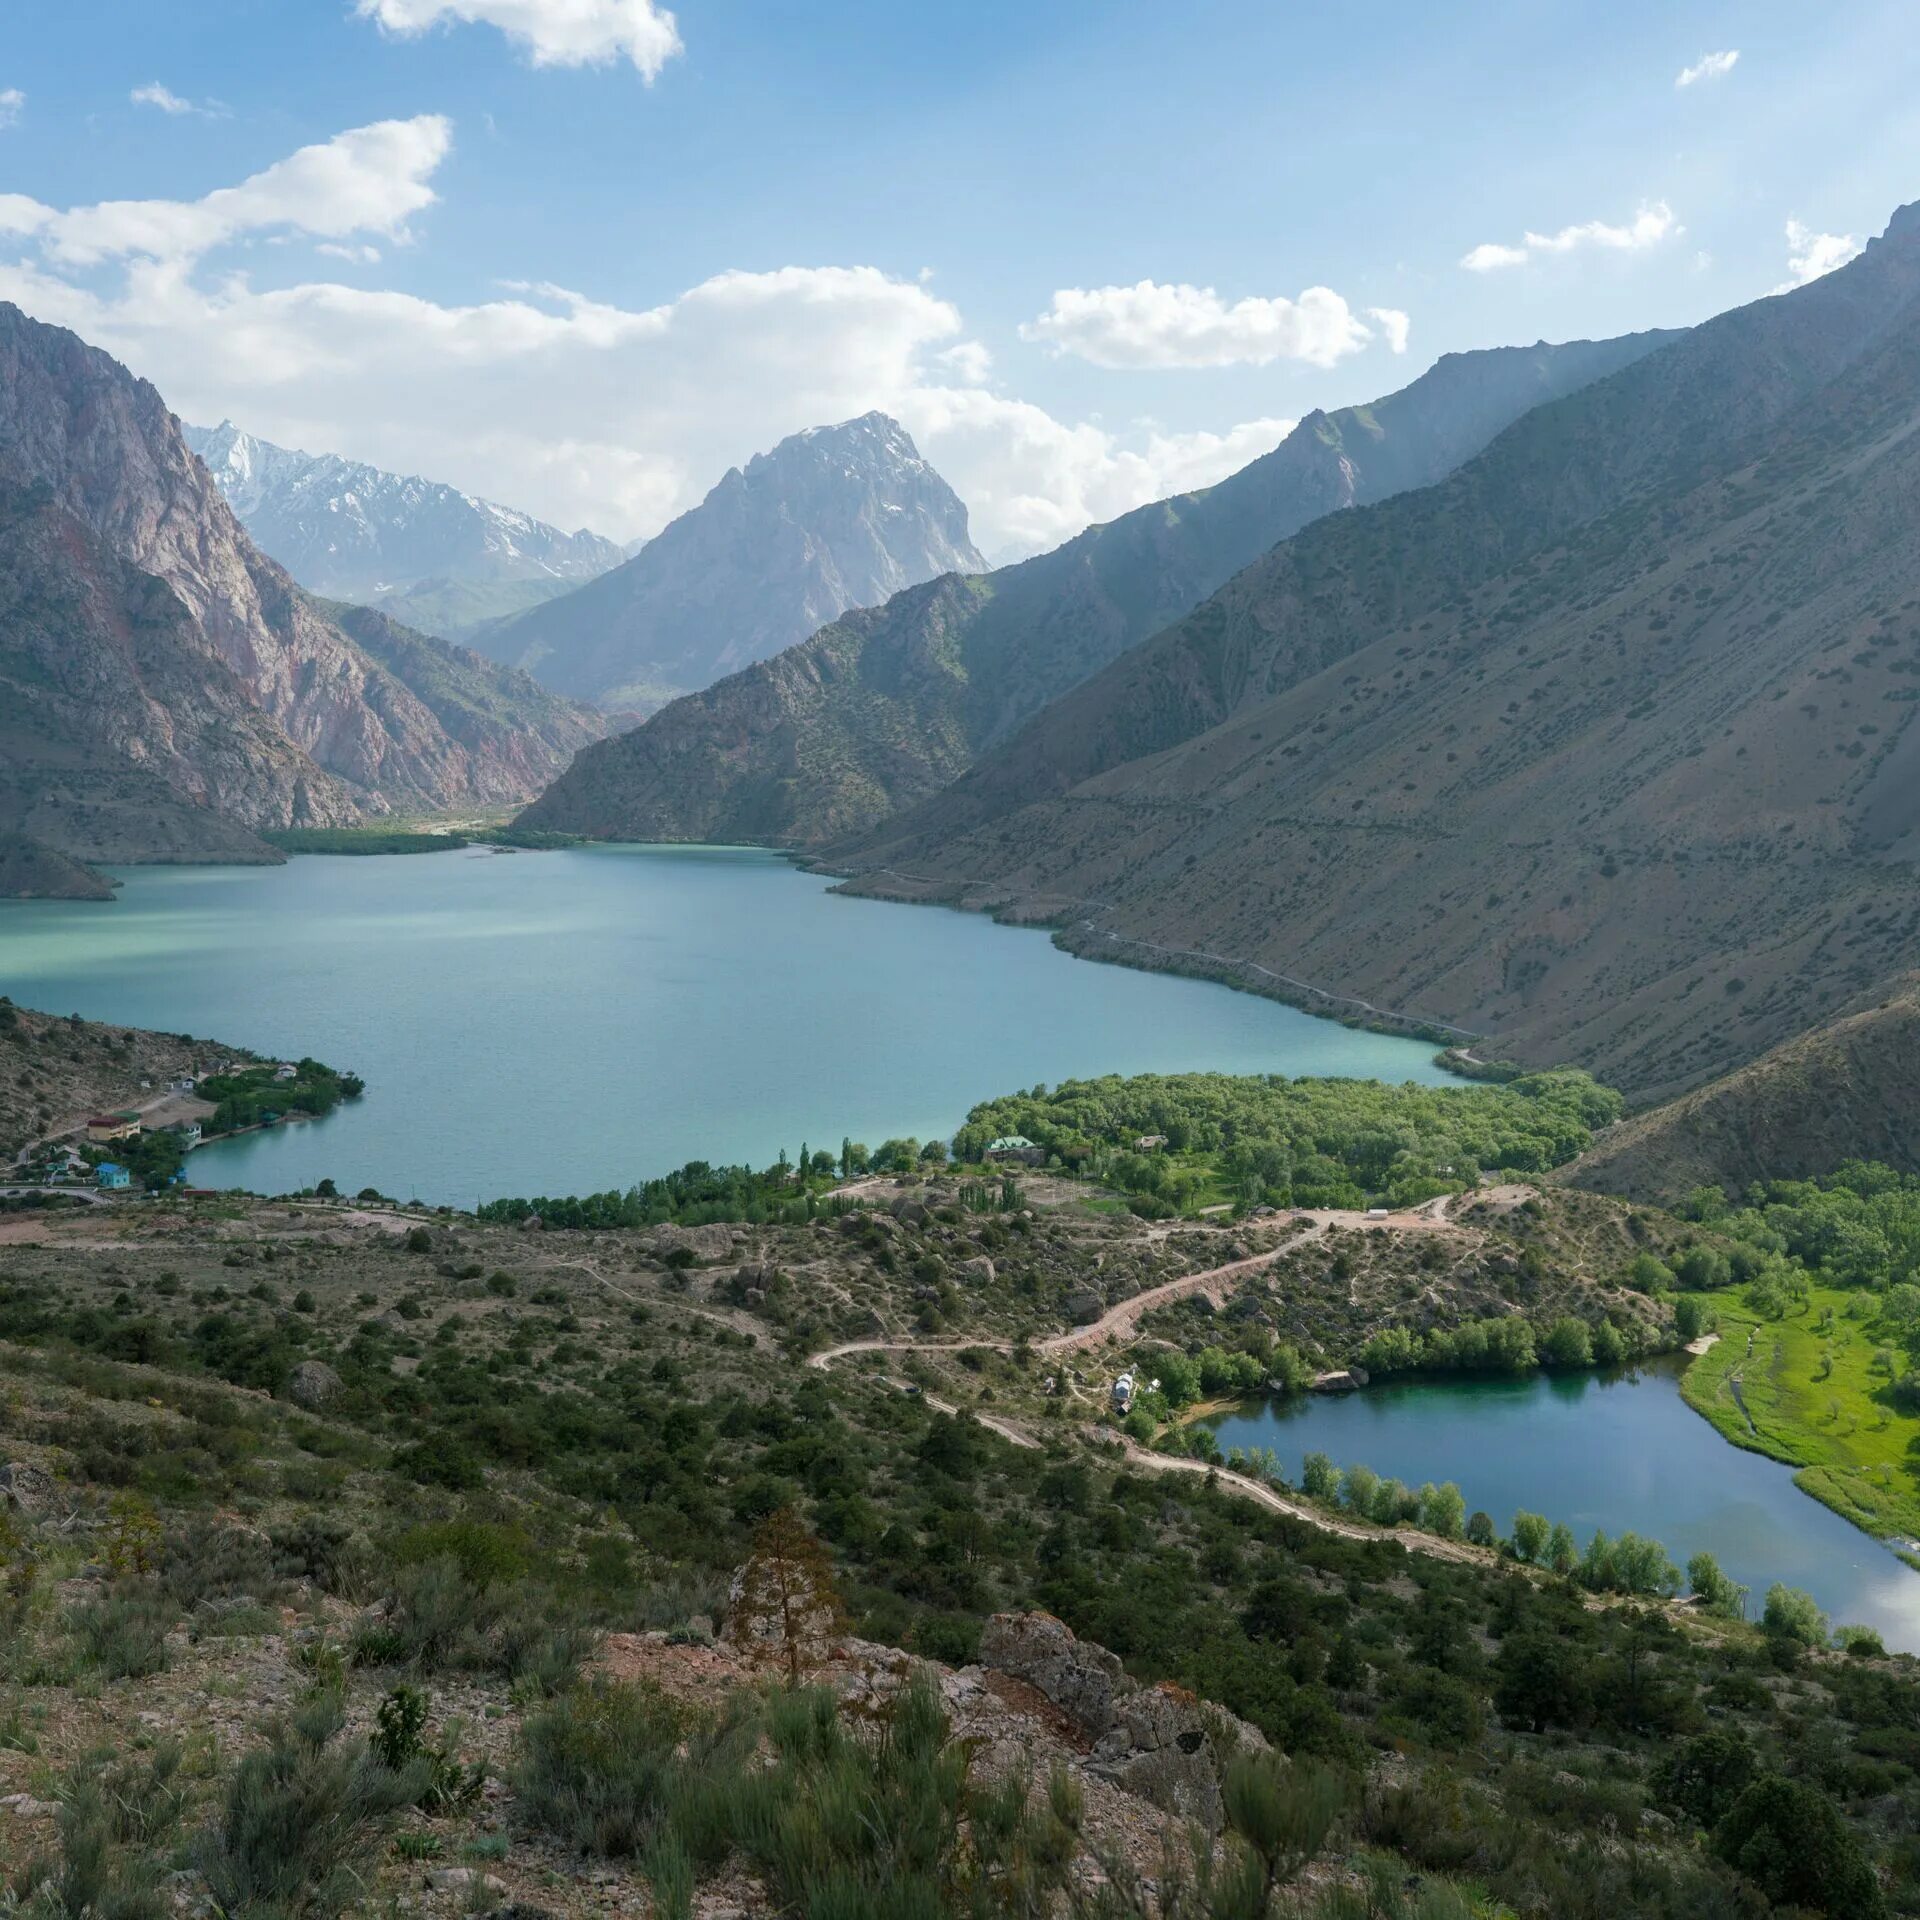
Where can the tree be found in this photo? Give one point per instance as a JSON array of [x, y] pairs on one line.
[[1567, 1344], [785, 1602], [1715, 1592], [1691, 1316], [1443, 1510], [1705, 1775], [1562, 1555], [1790, 1840], [1540, 1681], [1794, 1616], [1480, 1529], [1319, 1477], [1530, 1533], [1358, 1487]]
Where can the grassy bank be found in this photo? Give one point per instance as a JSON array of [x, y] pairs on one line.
[[1803, 1390], [383, 840]]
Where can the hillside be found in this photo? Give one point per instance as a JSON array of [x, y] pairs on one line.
[[888, 705], [831, 518], [334, 731], [426, 553], [1599, 747], [567, 1593], [1845, 1091]]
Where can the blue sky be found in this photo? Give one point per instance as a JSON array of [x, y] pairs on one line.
[[581, 258]]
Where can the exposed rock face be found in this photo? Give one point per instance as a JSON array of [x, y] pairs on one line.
[[95, 459], [412, 547], [1605, 746], [887, 705], [712, 1242], [25, 1486], [31, 871], [1159, 1742], [832, 518]]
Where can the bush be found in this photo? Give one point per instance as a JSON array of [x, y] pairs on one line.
[[1794, 1617], [1790, 1840], [596, 1767], [124, 1632], [301, 1813]]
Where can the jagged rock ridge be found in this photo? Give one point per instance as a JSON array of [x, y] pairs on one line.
[[832, 518], [887, 705]]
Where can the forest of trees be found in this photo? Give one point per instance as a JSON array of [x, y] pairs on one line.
[[1262, 1138]]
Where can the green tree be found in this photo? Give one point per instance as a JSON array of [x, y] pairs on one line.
[[1793, 1615], [1790, 1840], [1443, 1510], [1319, 1477], [1530, 1534], [1715, 1592], [1705, 1775], [1567, 1344], [1540, 1682], [1562, 1555]]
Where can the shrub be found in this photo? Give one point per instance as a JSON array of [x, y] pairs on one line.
[[300, 1814], [208, 1561], [596, 1767], [1790, 1840], [399, 1728], [124, 1632], [1794, 1617]]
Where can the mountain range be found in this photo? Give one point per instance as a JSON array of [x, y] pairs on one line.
[[165, 689], [831, 518], [888, 704], [1603, 746], [426, 553]]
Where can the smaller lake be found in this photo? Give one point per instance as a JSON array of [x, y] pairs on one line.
[[1623, 1453]]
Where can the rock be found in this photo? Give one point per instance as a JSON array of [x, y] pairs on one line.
[[977, 1271], [25, 1486], [909, 1212], [703, 1243], [24, 1806], [460, 1879], [1084, 1307], [312, 1384], [1162, 1743]]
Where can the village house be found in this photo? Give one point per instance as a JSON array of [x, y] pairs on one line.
[[1150, 1143], [187, 1131], [286, 1070], [112, 1126], [112, 1176], [1016, 1149]]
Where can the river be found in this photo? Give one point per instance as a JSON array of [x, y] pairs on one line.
[[1620, 1452], [570, 1022]]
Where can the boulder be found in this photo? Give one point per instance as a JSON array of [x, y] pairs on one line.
[[978, 1271], [1084, 1307], [1081, 1679], [909, 1212], [312, 1384], [703, 1243], [27, 1487]]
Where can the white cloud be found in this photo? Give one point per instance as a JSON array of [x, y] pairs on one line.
[[366, 181], [1151, 325], [1652, 224], [12, 104], [584, 412], [1811, 254], [555, 33], [154, 94], [1394, 324], [1710, 66]]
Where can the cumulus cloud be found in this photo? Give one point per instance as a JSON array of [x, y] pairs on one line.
[[1810, 254], [1394, 326], [555, 33], [585, 412], [1710, 66], [370, 180], [12, 103], [1652, 224], [1151, 325]]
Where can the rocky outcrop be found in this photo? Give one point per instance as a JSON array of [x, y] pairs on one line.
[[832, 518], [31, 871], [1159, 1742], [312, 1384], [888, 705]]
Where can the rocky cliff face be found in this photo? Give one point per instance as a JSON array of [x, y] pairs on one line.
[[832, 518], [886, 706], [1604, 746], [415, 548], [333, 729]]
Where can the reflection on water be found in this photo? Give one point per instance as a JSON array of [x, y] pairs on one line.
[[1623, 1453]]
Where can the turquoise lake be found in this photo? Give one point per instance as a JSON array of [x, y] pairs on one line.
[[554, 1023], [1623, 1453]]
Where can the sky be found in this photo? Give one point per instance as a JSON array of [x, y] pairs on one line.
[[581, 256]]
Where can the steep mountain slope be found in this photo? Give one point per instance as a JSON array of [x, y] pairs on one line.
[[123, 734], [1846, 1091], [832, 518], [886, 706], [1602, 745], [428, 553], [110, 458]]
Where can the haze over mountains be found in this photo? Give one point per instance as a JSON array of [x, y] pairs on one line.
[[832, 518], [428, 554], [1604, 745], [166, 688], [888, 704]]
